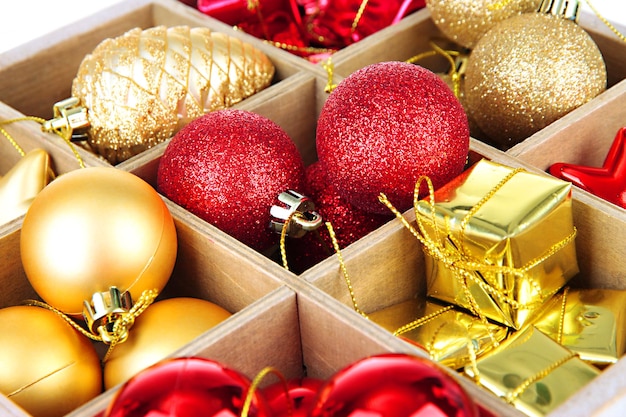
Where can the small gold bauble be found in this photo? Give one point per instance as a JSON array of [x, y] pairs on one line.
[[46, 367], [142, 87], [164, 327], [529, 71], [96, 228], [466, 21]]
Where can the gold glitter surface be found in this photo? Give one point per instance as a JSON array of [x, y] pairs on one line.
[[529, 71], [143, 86], [466, 21]]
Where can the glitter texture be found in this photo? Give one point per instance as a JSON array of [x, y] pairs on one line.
[[383, 127], [529, 71], [349, 223], [142, 87], [228, 167], [466, 21]]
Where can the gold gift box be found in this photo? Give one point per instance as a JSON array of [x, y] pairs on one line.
[[590, 322], [450, 336], [514, 232], [305, 325], [532, 372]]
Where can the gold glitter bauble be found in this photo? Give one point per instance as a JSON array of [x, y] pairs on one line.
[[46, 366], [529, 71], [142, 87], [466, 21]]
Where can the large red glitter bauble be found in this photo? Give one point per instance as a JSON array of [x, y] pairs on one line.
[[383, 127], [185, 387], [393, 385], [228, 167], [293, 400]]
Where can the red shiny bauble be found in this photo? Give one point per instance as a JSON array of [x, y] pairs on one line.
[[295, 400], [337, 23], [393, 385], [228, 167], [185, 387], [386, 125]]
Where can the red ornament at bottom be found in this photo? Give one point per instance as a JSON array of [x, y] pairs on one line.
[[294, 400], [393, 385], [185, 387]]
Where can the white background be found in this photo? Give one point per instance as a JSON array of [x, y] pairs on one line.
[[24, 20]]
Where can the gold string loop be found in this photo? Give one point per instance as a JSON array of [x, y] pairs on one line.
[[255, 385], [456, 60], [330, 69], [121, 326], [359, 15]]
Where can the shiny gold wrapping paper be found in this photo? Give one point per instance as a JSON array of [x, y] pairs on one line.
[[450, 336], [525, 224], [590, 322], [532, 372], [142, 87]]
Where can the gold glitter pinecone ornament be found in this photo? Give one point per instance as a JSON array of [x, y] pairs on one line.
[[466, 21], [142, 87], [527, 72]]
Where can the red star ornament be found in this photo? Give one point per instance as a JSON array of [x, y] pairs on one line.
[[608, 182]]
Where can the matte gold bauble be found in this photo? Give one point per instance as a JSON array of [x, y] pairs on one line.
[[96, 228], [22, 183], [163, 328], [529, 71], [142, 87], [466, 21], [46, 367]]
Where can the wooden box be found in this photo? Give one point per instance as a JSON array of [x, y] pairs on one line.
[[305, 324]]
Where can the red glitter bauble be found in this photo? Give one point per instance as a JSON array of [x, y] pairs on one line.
[[293, 400], [228, 167], [349, 223], [383, 127], [186, 387], [393, 385]]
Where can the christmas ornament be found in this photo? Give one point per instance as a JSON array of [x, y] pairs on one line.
[[383, 127], [138, 89], [94, 240], [466, 21], [294, 400], [185, 387], [22, 183], [46, 367], [350, 223], [517, 82], [278, 21], [162, 329], [228, 167], [393, 385], [607, 182], [337, 24]]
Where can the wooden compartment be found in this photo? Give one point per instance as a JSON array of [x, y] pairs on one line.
[[305, 325]]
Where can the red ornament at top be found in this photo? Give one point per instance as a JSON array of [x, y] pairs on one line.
[[607, 182], [393, 385], [383, 127], [228, 167]]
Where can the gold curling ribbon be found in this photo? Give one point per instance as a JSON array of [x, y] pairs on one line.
[[455, 256], [255, 385], [121, 325], [449, 55], [65, 134]]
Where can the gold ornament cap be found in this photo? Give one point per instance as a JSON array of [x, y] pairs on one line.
[[105, 309], [298, 217], [568, 9]]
